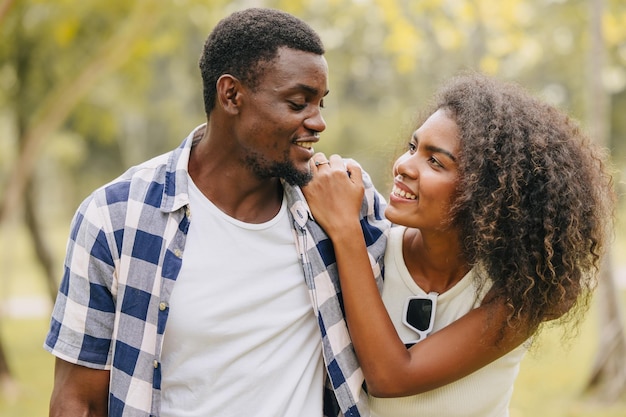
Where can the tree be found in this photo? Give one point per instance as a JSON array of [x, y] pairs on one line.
[[55, 106], [608, 374], [37, 118], [68, 65]]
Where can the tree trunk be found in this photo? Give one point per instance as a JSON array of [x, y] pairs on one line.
[[8, 386], [5, 370], [42, 249], [608, 376], [31, 218], [55, 108], [50, 115]]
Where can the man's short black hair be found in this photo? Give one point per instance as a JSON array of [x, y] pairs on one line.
[[241, 43]]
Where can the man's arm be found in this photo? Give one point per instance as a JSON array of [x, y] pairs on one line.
[[79, 391]]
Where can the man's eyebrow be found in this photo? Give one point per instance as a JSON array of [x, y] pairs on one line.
[[312, 90]]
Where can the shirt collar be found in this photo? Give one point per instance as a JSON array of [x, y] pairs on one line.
[[297, 204], [175, 189]]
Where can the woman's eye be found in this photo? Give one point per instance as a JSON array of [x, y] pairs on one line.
[[412, 147], [435, 162]]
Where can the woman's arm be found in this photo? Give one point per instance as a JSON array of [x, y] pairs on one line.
[[391, 370]]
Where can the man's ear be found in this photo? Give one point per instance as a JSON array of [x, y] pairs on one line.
[[228, 93]]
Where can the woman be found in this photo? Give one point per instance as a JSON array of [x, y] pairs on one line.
[[501, 207]]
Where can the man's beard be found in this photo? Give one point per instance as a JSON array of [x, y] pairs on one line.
[[285, 170]]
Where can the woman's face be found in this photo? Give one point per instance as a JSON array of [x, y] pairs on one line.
[[425, 177]]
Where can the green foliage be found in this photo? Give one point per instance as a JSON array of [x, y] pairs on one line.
[[386, 57], [553, 376]]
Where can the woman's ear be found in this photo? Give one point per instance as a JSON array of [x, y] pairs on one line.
[[228, 93]]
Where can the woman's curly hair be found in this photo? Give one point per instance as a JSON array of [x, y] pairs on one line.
[[535, 199]]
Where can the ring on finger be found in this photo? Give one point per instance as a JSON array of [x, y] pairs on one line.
[[318, 163]]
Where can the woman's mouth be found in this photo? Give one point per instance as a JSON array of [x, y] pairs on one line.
[[402, 194]]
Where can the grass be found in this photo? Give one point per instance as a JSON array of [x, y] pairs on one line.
[[31, 366], [550, 383], [21, 285], [553, 376]]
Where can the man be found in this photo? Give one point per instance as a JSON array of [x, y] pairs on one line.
[[189, 280]]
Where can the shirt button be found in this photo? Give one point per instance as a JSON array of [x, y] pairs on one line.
[[178, 253], [162, 306], [156, 364]]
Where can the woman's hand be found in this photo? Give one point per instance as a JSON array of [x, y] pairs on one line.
[[335, 194]]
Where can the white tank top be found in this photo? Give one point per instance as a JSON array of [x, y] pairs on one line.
[[484, 393], [241, 337]]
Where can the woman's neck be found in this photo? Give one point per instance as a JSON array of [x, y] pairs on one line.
[[436, 263]]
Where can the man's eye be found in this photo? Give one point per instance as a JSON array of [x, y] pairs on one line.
[[412, 147], [297, 106]]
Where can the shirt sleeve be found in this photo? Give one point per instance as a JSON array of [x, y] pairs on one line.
[[83, 317], [375, 227]]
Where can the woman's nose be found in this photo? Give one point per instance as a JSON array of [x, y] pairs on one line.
[[406, 166]]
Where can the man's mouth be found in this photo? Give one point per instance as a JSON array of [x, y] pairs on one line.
[[306, 145], [403, 194]]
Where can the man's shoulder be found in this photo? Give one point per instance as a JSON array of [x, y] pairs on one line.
[[142, 184]]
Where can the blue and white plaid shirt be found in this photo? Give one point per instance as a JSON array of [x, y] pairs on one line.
[[124, 253]]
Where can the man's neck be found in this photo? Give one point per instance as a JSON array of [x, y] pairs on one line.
[[233, 188]]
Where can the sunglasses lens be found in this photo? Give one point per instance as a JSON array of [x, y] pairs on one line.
[[419, 313]]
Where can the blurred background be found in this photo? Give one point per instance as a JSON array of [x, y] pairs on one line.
[[90, 88]]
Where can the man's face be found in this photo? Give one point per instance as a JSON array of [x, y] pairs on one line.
[[281, 118]]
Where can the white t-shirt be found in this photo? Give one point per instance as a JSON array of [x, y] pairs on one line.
[[484, 393], [241, 338]]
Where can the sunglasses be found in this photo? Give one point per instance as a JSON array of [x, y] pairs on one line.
[[419, 315]]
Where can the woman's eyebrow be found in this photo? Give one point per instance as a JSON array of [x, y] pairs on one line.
[[435, 149]]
